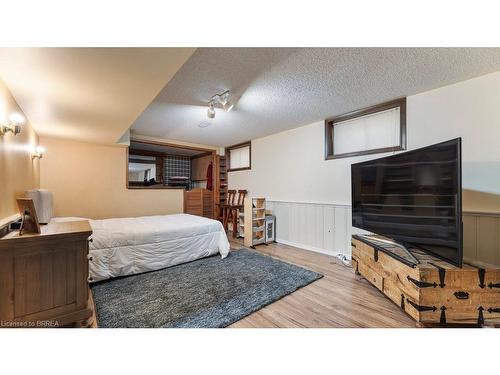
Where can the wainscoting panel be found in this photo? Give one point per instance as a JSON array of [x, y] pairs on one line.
[[326, 228], [470, 232], [482, 236]]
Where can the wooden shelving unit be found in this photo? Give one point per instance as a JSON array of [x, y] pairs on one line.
[[220, 193], [253, 224]]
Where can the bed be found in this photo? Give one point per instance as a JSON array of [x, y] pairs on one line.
[[127, 246]]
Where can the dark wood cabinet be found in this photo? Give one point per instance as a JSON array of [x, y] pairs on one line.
[[43, 277]]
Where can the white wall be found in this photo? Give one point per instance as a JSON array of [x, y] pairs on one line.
[[471, 110], [290, 166], [89, 180]]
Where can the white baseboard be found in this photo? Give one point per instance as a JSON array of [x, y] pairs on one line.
[[310, 248]]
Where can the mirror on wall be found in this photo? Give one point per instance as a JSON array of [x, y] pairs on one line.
[[142, 170]]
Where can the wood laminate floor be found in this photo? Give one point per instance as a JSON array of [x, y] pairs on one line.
[[339, 299]]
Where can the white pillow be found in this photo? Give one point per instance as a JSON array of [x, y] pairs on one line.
[[43, 201]]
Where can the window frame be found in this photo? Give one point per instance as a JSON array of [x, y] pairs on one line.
[[234, 147], [330, 123]]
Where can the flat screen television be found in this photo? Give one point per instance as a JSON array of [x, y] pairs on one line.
[[413, 198]]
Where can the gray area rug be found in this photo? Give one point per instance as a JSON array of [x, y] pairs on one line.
[[206, 293]]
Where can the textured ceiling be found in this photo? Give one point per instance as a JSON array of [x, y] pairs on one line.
[[89, 94], [283, 88]]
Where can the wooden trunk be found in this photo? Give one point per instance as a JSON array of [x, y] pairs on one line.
[[432, 291]]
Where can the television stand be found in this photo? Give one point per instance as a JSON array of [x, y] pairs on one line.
[[431, 291]]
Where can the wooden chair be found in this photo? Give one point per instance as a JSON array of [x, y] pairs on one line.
[[226, 211], [234, 211]]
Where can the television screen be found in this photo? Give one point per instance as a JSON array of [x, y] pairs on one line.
[[413, 198]]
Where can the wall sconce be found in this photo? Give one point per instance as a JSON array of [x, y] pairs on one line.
[[38, 153], [12, 125]]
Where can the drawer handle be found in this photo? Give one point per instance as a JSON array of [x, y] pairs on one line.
[[421, 284], [461, 295], [420, 307]]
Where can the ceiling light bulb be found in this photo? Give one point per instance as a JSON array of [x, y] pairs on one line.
[[225, 100], [228, 105], [211, 111]]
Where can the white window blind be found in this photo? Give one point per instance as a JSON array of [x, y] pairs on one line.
[[371, 132], [239, 157]]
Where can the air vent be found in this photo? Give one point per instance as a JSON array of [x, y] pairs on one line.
[[204, 124]]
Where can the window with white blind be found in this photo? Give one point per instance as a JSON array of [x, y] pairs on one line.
[[239, 156], [377, 129]]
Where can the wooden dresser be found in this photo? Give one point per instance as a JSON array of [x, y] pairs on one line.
[[199, 202], [43, 277]]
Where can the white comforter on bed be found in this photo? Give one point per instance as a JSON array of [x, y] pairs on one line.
[[128, 246]]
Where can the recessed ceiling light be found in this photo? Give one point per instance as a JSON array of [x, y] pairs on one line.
[[204, 124]]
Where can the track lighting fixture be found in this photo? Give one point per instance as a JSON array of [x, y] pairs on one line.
[[223, 100], [211, 110]]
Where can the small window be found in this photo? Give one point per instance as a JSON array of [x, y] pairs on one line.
[[239, 156], [377, 129]]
